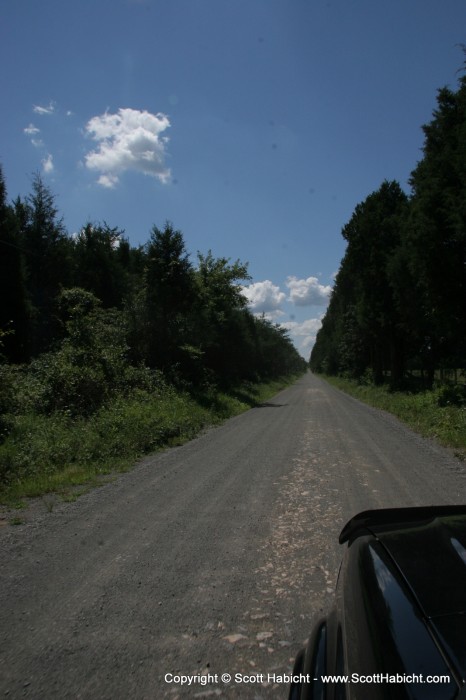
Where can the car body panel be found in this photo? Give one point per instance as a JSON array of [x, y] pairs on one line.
[[399, 607]]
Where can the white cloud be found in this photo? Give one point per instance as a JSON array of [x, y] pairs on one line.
[[264, 297], [50, 109], [308, 292], [303, 334], [306, 328], [128, 140], [108, 181], [31, 130], [47, 164]]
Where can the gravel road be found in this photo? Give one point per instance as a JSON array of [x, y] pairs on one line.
[[210, 558]]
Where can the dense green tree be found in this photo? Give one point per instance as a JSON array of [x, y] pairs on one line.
[[275, 351], [90, 363], [400, 297], [14, 307], [435, 240], [221, 331], [363, 329], [168, 298], [99, 267], [48, 259], [102, 312], [373, 234]]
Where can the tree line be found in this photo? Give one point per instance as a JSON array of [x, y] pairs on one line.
[[93, 301], [399, 300]]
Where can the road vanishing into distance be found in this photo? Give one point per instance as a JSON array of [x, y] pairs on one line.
[[207, 559]]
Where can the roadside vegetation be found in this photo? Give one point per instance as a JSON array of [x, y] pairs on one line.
[[57, 452], [438, 413], [108, 352]]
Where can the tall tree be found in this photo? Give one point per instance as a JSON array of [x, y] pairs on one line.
[[373, 234], [48, 259], [435, 245], [362, 329], [168, 297], [276, 353], [14, 307], [221, 331], [99, 267]]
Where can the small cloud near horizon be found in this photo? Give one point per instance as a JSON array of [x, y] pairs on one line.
[[303, 334]]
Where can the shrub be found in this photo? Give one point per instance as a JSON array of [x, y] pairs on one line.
[[454, 395]]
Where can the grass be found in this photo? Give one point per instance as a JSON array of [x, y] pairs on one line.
[[421, 411], [16, 521], [60, 454]]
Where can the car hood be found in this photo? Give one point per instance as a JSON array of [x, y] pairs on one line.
[[431, 558]]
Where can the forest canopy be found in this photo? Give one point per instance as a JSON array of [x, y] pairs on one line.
[[91, 302], [399, 300]]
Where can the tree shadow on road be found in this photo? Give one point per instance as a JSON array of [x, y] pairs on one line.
[[270, 405]]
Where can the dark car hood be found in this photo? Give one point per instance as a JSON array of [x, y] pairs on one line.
[[431, 557]]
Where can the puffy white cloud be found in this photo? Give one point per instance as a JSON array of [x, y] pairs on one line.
[[47, 164], [108, 181], [303, 334], [308, 292], [268, 299], [264, 297], [50, 109], [306, 328], [128, 140]]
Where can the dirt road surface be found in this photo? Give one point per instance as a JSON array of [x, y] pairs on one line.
[[208, 559]]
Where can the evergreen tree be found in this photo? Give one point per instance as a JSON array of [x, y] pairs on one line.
[[99, 267], [363, 329], [14, 307], [435, 242], [48, 259], [168, 297]]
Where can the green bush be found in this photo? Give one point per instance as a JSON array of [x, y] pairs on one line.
[[39, 447], [452, 395], [44, 452], [65, 385], [88, 369]]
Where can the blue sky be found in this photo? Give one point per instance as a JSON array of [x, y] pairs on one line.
[[254, 126]]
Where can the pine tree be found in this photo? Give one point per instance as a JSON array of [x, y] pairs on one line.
[[14, 307], [48, 259]]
